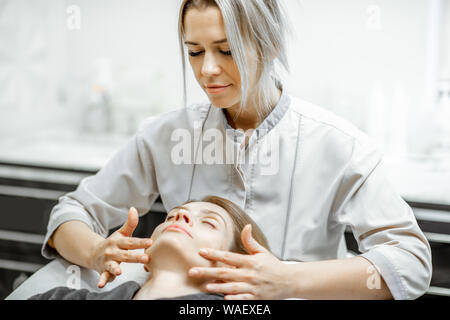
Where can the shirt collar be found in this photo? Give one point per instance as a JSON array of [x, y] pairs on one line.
[[269, 122]]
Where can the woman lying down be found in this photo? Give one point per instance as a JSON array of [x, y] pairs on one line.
[[213, 222]]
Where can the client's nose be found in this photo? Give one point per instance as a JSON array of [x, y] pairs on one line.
[[183, 215]]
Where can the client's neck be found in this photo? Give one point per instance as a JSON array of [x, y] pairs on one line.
[[169, 282]]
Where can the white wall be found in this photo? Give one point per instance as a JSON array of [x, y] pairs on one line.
[[32, 56], [363, 59]]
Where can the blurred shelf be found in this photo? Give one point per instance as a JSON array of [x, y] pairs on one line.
[[20, 266], [30, 192], [69, 151], [22, 237], [439, 291], [65, 158]]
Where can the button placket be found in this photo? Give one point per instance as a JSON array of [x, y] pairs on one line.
[[240, 154]]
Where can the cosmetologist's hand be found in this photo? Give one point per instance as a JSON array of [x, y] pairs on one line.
[[259, 275], [109, 253]]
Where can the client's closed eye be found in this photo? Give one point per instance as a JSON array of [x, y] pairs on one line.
[[209, 223]]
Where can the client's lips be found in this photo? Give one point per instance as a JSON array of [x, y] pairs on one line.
[[178, 228]]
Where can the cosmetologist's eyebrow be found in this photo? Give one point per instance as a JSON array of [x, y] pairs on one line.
[[215, 42]]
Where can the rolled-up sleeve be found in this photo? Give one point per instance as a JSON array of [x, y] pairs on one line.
[[102, 201], [384, 225]]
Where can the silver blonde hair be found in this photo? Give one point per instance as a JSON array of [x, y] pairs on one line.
[[258, 25]]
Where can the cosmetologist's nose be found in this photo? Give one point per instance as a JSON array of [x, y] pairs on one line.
[[210, 66]]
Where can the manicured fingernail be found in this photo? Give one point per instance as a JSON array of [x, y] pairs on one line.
[[193, 272], [203, 251]]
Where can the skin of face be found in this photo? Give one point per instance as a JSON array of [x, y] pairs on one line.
[[208, 225], [212, 66]]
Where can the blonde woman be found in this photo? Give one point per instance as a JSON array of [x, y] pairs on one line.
[[314, 174]]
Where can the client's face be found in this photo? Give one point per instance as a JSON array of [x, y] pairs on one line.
[[187, 229]]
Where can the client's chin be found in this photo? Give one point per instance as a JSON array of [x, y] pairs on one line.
[[175, 251]]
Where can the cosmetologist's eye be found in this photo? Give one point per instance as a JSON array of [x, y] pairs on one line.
[[193, 54]]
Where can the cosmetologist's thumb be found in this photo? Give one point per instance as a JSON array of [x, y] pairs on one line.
[[130, 225], [250, 244]]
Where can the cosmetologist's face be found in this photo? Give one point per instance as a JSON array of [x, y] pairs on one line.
[[190, 227], [210, 56]]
